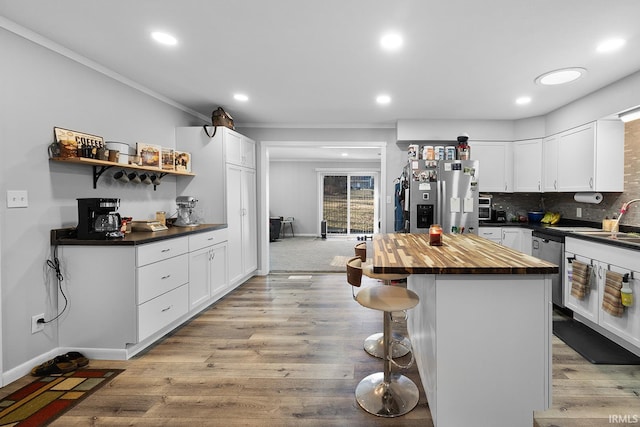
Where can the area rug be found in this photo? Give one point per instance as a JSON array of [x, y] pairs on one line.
[[340, 261], [594, 347], [45, 399]]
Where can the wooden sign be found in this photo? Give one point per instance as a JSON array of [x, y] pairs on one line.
[[70, 141]]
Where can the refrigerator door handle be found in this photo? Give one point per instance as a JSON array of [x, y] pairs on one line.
[[442, 191]]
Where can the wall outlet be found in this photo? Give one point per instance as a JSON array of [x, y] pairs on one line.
[[578, 212], [35, 326]]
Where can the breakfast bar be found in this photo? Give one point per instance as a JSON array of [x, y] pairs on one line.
[[481, 334]]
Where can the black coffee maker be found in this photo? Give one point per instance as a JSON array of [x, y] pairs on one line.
[[98, 219]]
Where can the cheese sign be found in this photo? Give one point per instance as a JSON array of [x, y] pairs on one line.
[[70, 141]]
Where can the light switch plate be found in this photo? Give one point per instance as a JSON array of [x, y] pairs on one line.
[[17, 199]]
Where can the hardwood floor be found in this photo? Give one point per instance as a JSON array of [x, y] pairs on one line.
[[281, 352]]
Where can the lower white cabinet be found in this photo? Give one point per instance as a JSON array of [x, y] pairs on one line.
[[624, 329], [517, 238], [207, 268], [122, 298]]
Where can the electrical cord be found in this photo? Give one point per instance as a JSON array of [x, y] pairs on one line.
[[55, 266]]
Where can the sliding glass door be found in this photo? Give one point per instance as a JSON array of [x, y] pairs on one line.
[[349, 202]]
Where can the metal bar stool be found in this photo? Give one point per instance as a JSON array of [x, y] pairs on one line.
[[384, 394], [374, 344]]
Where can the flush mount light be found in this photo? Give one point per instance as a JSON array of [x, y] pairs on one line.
[[240, 97], [559, 77], [523, 100], [630, 115], [383, 99], [164, 38], [610, 45], [391, 41]]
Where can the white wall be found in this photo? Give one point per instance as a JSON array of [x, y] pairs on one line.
[[293, 190], [41, 89]]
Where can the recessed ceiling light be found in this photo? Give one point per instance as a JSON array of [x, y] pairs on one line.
[[345, 154], [164, 38], [610, 45], [562, 76], [383, 99], [240, 97], [391, 41], [523, 100]]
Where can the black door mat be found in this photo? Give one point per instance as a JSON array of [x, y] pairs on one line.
[[594, 347]]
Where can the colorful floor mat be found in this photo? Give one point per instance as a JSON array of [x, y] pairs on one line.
[[45, 399]]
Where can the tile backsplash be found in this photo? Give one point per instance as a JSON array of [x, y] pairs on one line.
[[521, 203]]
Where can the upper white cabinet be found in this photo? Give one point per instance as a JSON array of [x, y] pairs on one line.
[[527, 166], [550, 163], [240, 150], [591, 157], [496, 165]]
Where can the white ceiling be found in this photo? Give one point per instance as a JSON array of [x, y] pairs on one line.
[[318, 63]]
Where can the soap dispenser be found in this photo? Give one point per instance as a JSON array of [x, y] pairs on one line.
[[626, 293]]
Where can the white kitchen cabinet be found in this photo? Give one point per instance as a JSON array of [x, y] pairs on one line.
[[496, 165], [241, 222], [625, 330], [126, 294], [527, 166], [512, 238], [591, 157], [492, 233], [239, 149], [225, 185], [550, 163], [207, 268]]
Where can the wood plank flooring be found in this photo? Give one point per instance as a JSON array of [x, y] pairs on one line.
[[280, 352]]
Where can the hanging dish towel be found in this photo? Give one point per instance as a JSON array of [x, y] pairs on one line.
[[612, 300], [581, 280]]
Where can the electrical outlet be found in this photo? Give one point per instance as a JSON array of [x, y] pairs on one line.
[[35, 326], [578, 212]]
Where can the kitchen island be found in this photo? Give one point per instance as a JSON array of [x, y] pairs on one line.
[[481, 334]]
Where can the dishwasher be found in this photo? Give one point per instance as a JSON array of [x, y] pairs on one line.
[[549, 247]]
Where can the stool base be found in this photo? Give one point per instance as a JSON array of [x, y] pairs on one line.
[[374, 345], [393, 399]]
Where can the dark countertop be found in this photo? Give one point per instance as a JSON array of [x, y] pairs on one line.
[[64, 236], [560, 231], [399, 253]]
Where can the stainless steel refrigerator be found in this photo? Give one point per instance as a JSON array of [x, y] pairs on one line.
[[443, 192]]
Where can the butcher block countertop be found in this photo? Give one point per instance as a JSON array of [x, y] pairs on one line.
[[459, 254]]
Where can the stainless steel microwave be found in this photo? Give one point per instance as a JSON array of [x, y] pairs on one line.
[[485, 210]]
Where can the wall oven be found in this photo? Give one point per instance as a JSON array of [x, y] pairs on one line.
[[485, 210]]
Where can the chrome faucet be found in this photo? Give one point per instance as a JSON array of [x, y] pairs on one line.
[[623, 209]]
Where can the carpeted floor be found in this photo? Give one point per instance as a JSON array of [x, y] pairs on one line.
[[311, 254]]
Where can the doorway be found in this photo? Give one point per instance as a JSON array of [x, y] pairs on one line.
[[348, 202]]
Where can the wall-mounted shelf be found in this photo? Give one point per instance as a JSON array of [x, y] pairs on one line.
[[101, 166]]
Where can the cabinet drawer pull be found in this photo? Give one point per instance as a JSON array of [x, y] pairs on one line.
[[165, 250], [210, 238], [165, 277], [166, 309]]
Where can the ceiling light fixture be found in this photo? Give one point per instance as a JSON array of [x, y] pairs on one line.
[[559, 77], [383, 99], [345, 154], [523, 100], [391, 41], [164, 38], [240, 97], [610, 45], [630, 115]]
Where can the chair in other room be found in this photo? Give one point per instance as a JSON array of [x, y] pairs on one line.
[[384, 394], [287, 221], [374, 344]]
